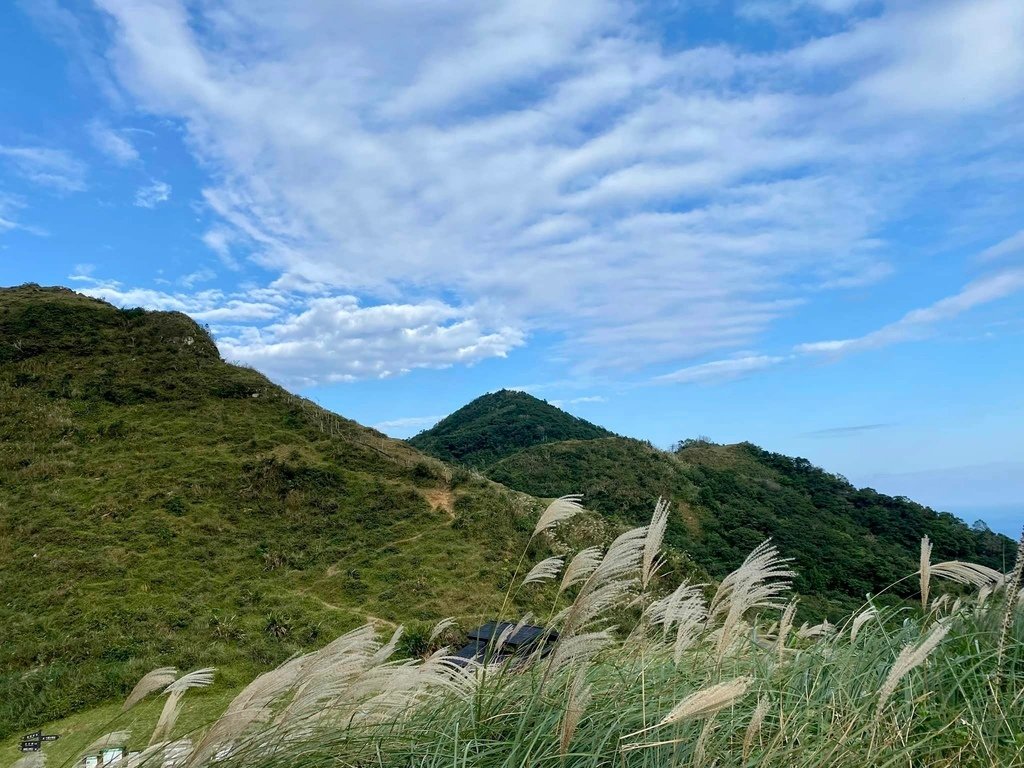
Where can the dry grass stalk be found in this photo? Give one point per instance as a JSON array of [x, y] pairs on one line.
[[199, 678], [967, 573], [700, 747], [925, 571], [754, 726], [558, 511], [758, 583], [440, 628], [578, 649], [148, 683], [818, 630], [785, 626], [860, 620], [108, 740], [911, 657], [701, 703], [653, 540], [1012, 590], [545, 570], [580, 567], [576, 706]]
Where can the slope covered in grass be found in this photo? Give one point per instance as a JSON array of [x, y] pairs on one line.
[[159, 506], [499, 424], [639, 680], [846, 541]]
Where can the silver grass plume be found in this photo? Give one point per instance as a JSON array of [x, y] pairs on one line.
[[578, 649], [652, 542], [860, 620], [577, 701], [152, 681], [925, 571], [545, 570], [758, 583], [557, 511], [967, 573], [440, 628], [785, 626], [580, 567], [200, 678], [706, 701], [754, 726], [250, 706], [1012, 590], [910, 657], [818, 630], [610, 581]]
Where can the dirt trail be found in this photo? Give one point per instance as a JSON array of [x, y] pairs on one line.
[[443, 499]]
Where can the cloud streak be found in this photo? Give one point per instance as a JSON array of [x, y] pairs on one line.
[[563, 169]]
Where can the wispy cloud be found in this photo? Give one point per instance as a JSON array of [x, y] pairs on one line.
[[113, 143], [1011, 246], [45, 166], [406, 426], [721, 370], [652, 205], [856, 429], [151, 195], [920, 323]]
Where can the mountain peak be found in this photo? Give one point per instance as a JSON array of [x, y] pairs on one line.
[[499, 424]]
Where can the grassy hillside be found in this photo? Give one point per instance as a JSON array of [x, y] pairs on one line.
[[846, 541], [159, 506], [499, 424]]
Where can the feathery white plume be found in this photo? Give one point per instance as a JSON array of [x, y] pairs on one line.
[[911, 657], [148, 683], [558, 511], [580, 567], [652, 542], [545, 570]]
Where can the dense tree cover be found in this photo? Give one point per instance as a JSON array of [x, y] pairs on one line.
[[499, 424], [845, 542], [161, 507]]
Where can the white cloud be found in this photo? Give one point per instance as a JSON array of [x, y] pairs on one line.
[[304, 341], [153, 194], [1011, 246], [557, 161], [336, 339], [46, 167], [920, 323], [407, 426], [721, 370], [203, 275], [113, 143]]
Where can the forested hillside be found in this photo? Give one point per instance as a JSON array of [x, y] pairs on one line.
[[845, 541], [499, 424], [161, 507]]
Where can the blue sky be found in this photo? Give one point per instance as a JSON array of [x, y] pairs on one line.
[[795, 222]]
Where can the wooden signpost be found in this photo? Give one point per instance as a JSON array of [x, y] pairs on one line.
[[33, 742]]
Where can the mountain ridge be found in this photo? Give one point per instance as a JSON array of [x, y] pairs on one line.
[[845, 541]]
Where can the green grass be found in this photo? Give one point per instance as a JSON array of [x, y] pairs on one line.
[[80, 730], [798, 700], [161, 507]]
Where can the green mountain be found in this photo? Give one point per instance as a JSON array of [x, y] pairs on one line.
[[845, 541], [161, 507], [499, 424]]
